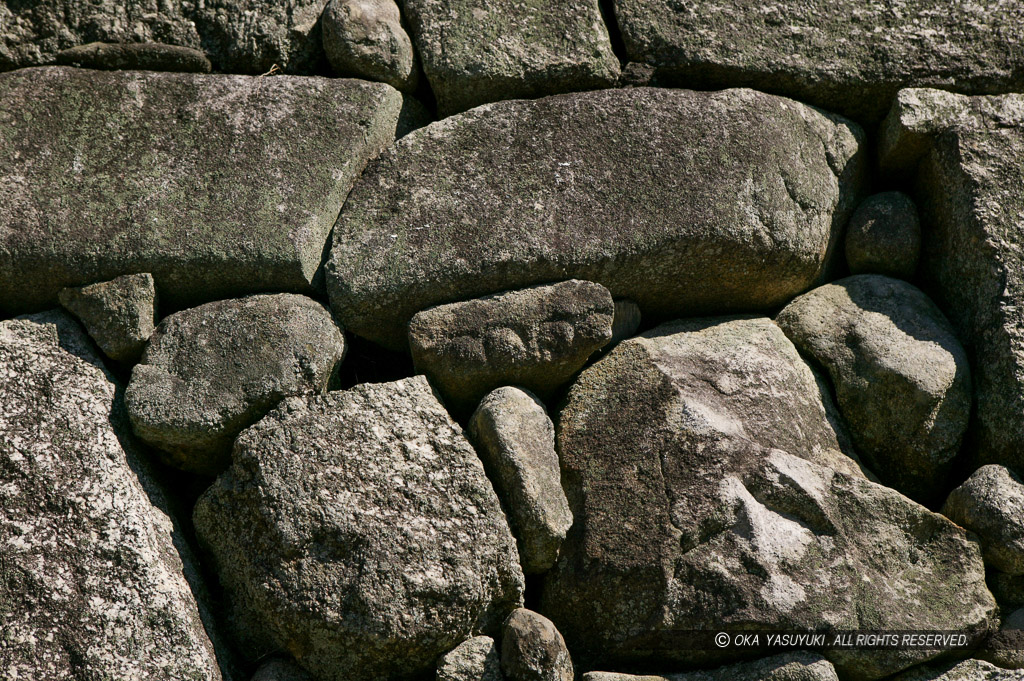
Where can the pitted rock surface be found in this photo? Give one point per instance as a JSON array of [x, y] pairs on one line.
[[536, 337], [120, 314], [990, 503], [849, 57], [651, 193], [217, 185], [683, 521], [357, 531], [901, 377], [480, 51], [212, 370], [365, 39], [96, 579]]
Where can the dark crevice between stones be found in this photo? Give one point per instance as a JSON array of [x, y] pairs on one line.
[[367, 362], [607, 8]]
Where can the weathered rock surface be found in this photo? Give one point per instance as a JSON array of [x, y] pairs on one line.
[[684, 202], [901, 377], [281, 670], [240, 36], [536, 337], [217, 185], [119, 314], [969, 190], [684, 520], [968, 670], [1005, 648], [990, 503], [93, 583], [884, 236], [477, 51], [533, 650], [516, 441], [365, 39], [798, 666], [357, 531], [212, 370], [135, 56], [919, 115], [475, 659], [845, 57]]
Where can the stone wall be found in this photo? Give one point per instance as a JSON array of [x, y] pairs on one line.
[[518, 340]]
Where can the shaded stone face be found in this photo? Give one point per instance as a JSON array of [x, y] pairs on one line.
[[650, 193], [901, 377], [533, 650], [135, 56], [217, 185], [480, 51], [849, 57], [212, 370], [798, 666], [536, 338], [238, 36], [93, 582], [357, 531], [683, 522], [968, 153], [884, 236], [990, 503]]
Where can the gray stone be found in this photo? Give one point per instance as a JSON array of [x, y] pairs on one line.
[[357, 531], [120, 314], [1008, 589], [849, 57], [479, 51], [212, 370], [684, 202], [884, 236], [475, 659], [96, 577], [969, 191], [685, 521], [365, 39], [239, 36], [533, 650], [217, 185], [516, 441], [990, 503], [1005, 648], [135, 56], [536, 337], [901, 377], [798, 666], [626, 321], [968, 670], [919, 115], [281, 670]]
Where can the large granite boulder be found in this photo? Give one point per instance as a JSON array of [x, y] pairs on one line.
[[93, 586], [217, 185], [793, 666], [969, 190], [990, 503], [683, 202], [358, 532], [212, 370], [849, 57], [686, 520], [536, 337], [239, 36], [901, 377], [479, 51]]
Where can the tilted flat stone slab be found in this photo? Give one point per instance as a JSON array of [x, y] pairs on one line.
[[684, 202], [217, 185], [239, 36], [849, 57], [93, 583], [479, 51], [970, 189]]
